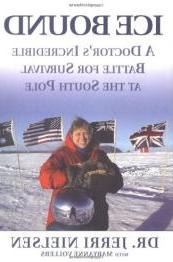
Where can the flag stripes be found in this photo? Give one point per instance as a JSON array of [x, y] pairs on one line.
[[47, 130]]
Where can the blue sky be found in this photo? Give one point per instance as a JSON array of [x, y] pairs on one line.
[[132, 110]]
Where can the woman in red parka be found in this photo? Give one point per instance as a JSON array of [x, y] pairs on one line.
[[81, 149]]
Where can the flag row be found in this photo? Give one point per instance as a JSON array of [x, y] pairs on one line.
[[51, 130]]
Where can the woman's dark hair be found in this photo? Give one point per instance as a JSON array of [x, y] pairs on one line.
[[79, 123]]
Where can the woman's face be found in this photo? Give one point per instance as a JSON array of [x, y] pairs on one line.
[[81, 137]]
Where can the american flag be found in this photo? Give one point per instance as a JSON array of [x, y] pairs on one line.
[[6, 134], [149, 136], [104, 131], [47, 130]]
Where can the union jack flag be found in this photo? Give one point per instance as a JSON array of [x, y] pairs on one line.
[[104, 131], [149, 136]]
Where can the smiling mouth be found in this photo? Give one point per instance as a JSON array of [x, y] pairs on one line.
[[83, 143]]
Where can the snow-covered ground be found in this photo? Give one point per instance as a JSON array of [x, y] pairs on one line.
[[144, 203]]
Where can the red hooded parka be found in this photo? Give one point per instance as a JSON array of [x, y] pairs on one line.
[[53, 172]]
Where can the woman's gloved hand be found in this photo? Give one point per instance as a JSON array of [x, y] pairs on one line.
[[87, 175]]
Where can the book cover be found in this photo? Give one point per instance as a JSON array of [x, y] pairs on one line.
[[110, 63]]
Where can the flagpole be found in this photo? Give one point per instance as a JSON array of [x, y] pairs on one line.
[[167, 157], [18, 158], [19, 171]]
